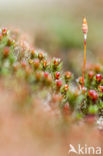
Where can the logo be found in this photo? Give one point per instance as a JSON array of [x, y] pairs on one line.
[[84, 150]]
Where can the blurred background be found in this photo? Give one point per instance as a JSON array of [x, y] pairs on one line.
[[55, 26]]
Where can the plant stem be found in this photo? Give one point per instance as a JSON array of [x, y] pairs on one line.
[[84, 63]]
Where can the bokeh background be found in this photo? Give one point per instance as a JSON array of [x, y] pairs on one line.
[[55, 26]]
